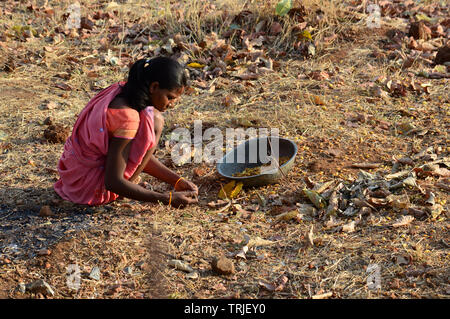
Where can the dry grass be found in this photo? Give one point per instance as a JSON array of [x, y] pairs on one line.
[[127, 233]]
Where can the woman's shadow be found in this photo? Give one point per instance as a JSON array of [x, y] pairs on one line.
[[35, 218]]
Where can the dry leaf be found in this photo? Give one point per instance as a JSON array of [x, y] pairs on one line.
[[307, 209], [230, 190], [49, 106], [397, 175], [231, 100], [333, 222], [435, 210], [242, 252], [322, 296], [333, 204], [196, 65], [267, 286], [237, 208], [199, 172], [63, 86], [258, 241], [349, 228], [218, 203], [236, 190], [399, 202], [315, 198], [276, 28], [278, 286], [318, 100], [403, 221], [323, 187], [282, 283], [377, 202], [287, 216], [309, 182], [431, 198], [246, 76], [365, 165], [178, 264]]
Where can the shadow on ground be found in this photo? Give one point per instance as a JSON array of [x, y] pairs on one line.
[[23, 231]]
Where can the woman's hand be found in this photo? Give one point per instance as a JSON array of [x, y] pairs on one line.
[[181, 199], [184, 185]]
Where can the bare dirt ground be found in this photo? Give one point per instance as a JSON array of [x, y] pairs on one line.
[[352, 102]]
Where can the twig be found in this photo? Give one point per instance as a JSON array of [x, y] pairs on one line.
[[224, 208], [322, 296]]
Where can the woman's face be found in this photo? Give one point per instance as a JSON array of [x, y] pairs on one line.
[[164, 99]]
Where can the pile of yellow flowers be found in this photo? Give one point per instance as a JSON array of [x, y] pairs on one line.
[[251, 171]]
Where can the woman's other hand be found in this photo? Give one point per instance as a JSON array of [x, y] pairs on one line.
[[181, 199], [184, 185]]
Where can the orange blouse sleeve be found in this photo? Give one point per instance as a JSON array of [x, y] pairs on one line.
[[122, 123]]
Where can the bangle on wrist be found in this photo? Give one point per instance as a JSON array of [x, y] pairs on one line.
[[170, 198], [175, 186]]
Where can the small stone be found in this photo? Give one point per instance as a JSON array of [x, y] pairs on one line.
[[128, 270], [21, 287], [192, 275], [261, 257], [114, 289], [95, 273], [56, 133], [243, 266], [48, 121], [443, 55], [223, 266], [140, 264], [48, 105], [40, 286], [44, 252], [334, 152], [51, 105], [45, 211], [314, 166]]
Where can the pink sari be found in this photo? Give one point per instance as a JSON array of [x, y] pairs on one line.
[[81, 166]]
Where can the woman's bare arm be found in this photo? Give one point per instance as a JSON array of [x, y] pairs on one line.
[[157, 169], [116, 162]]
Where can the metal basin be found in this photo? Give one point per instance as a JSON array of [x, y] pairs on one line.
[[256, 152]]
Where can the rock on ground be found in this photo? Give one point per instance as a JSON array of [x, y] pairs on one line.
[[40, 286], [223, 266]]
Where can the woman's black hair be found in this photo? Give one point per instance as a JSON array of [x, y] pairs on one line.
[[166, 71]]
